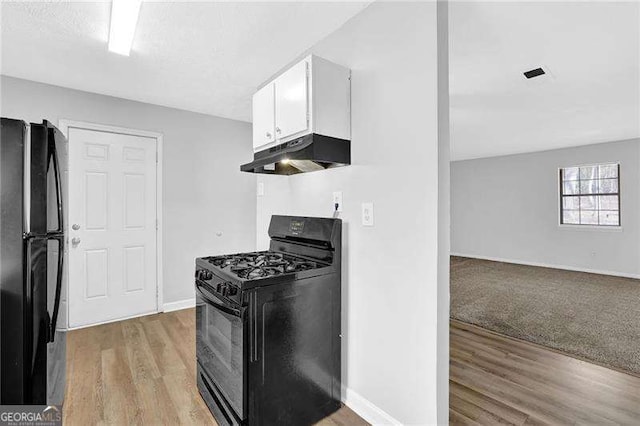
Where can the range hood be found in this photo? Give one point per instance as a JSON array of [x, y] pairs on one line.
[[308, 153]]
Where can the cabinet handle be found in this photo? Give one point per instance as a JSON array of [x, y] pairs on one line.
[[277, 129], [268, 134]]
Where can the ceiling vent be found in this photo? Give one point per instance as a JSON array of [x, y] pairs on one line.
[[534, 73]]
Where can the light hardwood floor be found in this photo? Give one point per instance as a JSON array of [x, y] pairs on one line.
[[142, 371], [499, 380]]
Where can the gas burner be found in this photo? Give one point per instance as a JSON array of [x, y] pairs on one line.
[[300, 266], [223, 261], [270, 257], [262, 264]]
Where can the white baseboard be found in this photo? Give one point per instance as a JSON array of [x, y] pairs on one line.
[[366, 409], [549, 265], [180, 304], [78, 327], [167, 307]]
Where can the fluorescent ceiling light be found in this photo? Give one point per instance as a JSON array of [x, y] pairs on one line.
[[124, 17]]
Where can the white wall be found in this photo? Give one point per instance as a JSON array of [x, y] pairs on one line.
[[390, 270], [507, 208], [203, 190]]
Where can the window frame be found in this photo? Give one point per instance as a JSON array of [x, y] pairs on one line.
[[562, 196]]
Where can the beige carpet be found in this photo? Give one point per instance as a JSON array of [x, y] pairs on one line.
[[592, 316]]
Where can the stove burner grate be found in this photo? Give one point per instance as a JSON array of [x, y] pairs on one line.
[[262, 264]]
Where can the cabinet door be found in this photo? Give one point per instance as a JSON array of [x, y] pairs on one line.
[[263, 117], [292, 101]]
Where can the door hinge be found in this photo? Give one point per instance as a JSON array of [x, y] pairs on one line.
[[156, 224]]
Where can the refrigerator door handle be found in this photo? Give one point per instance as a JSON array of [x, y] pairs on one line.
[[56, 304], [27, 180], [56, 172]]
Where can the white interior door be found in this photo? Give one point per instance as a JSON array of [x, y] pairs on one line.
[[112, 215]]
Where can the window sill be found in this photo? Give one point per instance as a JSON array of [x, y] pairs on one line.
[[591, 228]]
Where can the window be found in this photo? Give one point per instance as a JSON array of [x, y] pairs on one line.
[[590, 195]]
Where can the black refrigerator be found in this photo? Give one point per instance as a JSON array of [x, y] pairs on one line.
[[33, 169]]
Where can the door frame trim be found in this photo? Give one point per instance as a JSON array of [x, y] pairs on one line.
[[64, 126]]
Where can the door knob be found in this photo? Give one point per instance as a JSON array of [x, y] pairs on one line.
[[75, 241], [268, 134], [75, 226], [278, 130]]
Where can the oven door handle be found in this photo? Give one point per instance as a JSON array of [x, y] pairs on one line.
[[215, 303]]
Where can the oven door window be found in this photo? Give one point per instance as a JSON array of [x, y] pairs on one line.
[[219, 350]]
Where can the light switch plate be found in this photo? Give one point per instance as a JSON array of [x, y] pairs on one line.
[[367, 214], [337, 199], [260, 189]]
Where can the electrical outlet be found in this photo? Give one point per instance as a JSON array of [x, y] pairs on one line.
[[337, 201], [260, 189], [367, 214]]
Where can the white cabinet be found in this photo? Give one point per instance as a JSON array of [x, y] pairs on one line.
[[313, 96], [263, 111], [292, 101]]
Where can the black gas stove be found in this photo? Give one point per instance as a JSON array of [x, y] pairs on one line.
[[268, 326]]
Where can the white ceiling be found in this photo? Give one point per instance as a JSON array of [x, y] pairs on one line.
[[592, 95], [209, 57], [199, 56]]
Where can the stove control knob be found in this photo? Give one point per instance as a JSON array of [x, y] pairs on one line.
[[225, 289], [219, 288], [233, 290], [207, 275]]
